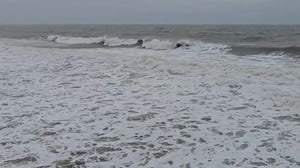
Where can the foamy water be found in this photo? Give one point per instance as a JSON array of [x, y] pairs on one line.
[[146, 107]]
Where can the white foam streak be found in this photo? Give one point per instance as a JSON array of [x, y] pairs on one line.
[[74, 40], [114, 42], [158, 44]]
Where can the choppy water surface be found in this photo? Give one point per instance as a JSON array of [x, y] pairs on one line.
[[90, 96]]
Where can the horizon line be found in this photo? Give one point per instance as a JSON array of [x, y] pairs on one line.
[[151, 24]]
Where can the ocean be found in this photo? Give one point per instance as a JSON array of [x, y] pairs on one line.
[[241, 39], [149, 96]]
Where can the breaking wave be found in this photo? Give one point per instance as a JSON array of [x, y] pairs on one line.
[[91, 40], [145, 43], [160, 44], [155, 44]]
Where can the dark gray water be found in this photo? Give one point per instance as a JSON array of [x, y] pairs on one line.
[[243, 39]]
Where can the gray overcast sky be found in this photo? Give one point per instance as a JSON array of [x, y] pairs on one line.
[[150, 11]]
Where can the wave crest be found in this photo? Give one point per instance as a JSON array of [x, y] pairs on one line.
[[112, 42], [158, 44], [155, 44]]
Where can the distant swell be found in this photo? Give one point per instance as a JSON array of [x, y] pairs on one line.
[[253, 50], [253, 39]]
